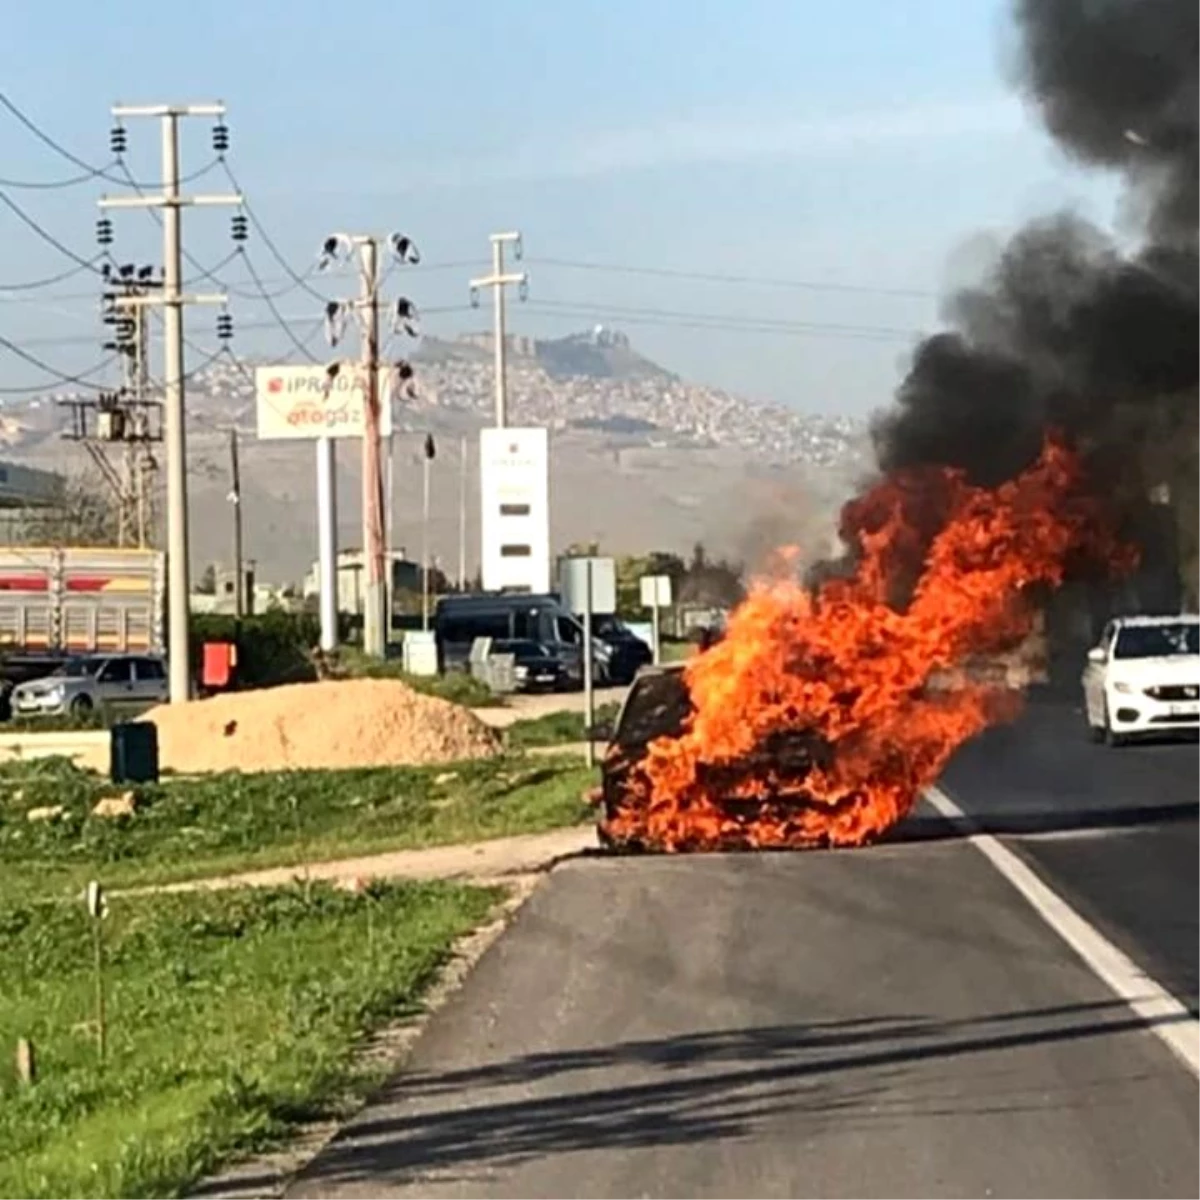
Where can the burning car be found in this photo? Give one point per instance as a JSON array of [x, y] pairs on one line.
[[658, 709], [823, 712]]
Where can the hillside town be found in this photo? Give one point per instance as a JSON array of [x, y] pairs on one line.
[[645, 405]]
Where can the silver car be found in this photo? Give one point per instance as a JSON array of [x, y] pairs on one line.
[[94, 681]]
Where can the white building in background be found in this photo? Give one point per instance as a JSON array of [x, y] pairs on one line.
[[514, 488], [351, 569]]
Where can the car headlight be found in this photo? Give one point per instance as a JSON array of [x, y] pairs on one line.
[[522, 672], [1124, 688]]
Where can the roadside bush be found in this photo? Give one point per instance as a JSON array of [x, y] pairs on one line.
[[272, 647]]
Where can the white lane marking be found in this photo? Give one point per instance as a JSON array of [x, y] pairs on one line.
[[1165, 1016]]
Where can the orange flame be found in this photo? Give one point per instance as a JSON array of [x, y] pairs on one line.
[[822, 715]]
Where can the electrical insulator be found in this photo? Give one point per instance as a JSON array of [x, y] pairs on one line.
[[220, 137], [104, 231], [116, 139], [241, 227], [224, 326], [335, 322]]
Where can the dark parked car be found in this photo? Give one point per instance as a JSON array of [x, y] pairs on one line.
[[538, 669]]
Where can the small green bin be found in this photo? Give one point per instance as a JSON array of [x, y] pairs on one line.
[[134, 757]]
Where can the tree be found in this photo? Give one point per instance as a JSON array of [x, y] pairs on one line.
[[207, 583], [84, 514]]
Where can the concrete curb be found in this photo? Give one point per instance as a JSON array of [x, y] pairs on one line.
[[71, 743]]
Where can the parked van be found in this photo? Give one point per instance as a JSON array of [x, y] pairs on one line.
[[459, 620]]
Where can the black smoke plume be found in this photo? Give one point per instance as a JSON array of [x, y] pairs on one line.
[[1116, 84], [1067, 330]]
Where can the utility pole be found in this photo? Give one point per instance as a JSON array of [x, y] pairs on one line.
[[235, 499], [462, 516], [125, 418], [376, 622], [172, 298], [327, 567], [389, 521], [497, 281], [427, 463]]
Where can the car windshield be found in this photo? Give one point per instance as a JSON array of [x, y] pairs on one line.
[[1158, 641], [608, 626], [79, 668]]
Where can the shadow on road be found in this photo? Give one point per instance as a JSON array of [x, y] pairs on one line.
[[703, 1086], [1017, 823]]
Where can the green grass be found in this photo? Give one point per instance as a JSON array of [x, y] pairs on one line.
[[554, 729], [457, 686], [98, 719], [672, 652], [205, 825], [230, 1016]]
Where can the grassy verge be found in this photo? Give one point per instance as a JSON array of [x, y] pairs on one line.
[[98, 719], [208, 825], [230, 1016], [457, 686], [554, 729]]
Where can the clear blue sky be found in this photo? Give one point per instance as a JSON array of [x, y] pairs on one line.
[[872, 143]]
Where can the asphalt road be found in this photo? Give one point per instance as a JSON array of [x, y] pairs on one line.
[[891, 1022], [1114, 832]]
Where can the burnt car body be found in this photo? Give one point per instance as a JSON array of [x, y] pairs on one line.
[[658, 705]]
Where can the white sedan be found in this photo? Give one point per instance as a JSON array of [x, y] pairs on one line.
[[1143, 678]]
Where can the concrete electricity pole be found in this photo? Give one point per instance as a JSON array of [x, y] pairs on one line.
[[462, 516], [172, 298], [366, 306], [497, 281], [235, 499]]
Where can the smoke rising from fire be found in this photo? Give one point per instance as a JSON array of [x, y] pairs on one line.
[[1116, 84], [1029, 442], [1067, 332]]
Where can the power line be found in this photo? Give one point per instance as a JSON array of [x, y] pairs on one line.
[[266, 296], [30, 285], [50, 185], [299, 280], [211, 273], [202, 272], [89, 170], [716, 277], [49, 238], [60, 377], [720, 321]]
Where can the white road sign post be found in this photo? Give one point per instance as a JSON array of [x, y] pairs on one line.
[[656, 595], [589, 692]]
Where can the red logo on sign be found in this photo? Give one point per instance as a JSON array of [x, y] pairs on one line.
[[275, 385]]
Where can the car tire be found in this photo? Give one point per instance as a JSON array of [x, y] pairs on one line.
[[81, 706]]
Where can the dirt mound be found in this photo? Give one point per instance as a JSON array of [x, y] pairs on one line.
[[347, 723]]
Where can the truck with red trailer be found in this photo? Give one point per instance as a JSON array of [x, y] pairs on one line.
[[57, 602]]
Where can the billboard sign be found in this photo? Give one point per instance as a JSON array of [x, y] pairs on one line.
[[514, 488], [304, 402]]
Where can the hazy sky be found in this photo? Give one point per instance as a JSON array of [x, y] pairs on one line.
[[861, 154]]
